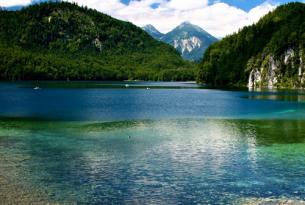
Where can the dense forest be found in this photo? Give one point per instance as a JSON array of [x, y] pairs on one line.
[[60, 40], [269, 53]]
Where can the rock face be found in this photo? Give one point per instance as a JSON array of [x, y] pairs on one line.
[[270, 71], [255, 78], [187, 45]]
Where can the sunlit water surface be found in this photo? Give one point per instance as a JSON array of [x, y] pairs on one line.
[[170, 144]]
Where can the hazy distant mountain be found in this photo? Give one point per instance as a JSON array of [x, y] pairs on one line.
[[151, 30], [190, 40]]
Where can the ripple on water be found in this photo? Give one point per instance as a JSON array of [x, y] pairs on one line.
[[164, 162]]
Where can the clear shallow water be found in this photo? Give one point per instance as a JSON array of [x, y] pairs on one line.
[[186, 146]]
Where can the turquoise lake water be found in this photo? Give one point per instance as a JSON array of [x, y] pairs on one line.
[[149, 143]]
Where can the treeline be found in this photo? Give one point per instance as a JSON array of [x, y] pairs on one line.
[[19, 64]]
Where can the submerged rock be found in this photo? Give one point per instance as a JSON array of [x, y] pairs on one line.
[[270, 201]]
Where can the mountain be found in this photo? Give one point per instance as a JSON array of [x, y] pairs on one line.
[[267, 54], [190, 40], [58, 41], [151, 30]]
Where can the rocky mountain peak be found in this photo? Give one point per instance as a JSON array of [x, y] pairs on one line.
[[188, 39]]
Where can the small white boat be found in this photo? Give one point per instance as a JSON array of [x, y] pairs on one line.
[[36, 88], [126, 85]]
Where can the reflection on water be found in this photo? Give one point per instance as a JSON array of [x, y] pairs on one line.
[[120, 104], [162, 162], [275, 94], [109, 84]]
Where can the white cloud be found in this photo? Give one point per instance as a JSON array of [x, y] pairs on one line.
[[186, 5], [218, 18], [8, 3], [106, 6], [256, 13]]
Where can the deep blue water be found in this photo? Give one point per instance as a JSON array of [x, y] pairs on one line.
[[174, 143], [98, 104]]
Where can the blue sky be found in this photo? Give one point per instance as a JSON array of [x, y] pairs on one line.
[[249, 4], [218, 17], [243, 4]]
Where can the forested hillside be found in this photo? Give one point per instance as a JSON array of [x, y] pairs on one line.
[[58, 41], [269, 53]]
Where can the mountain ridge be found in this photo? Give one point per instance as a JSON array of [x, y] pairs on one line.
[[150, 29]]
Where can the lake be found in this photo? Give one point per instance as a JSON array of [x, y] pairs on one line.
[[149, 143]]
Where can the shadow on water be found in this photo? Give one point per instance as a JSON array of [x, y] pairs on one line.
[[109, 85], [269, 131], [297, 95]]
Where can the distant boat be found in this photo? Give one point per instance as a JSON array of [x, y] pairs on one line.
[[36, 88], [126, 85], [147, 88]]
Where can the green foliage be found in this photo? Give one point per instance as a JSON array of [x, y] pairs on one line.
[[229, 61], [56, 41]]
